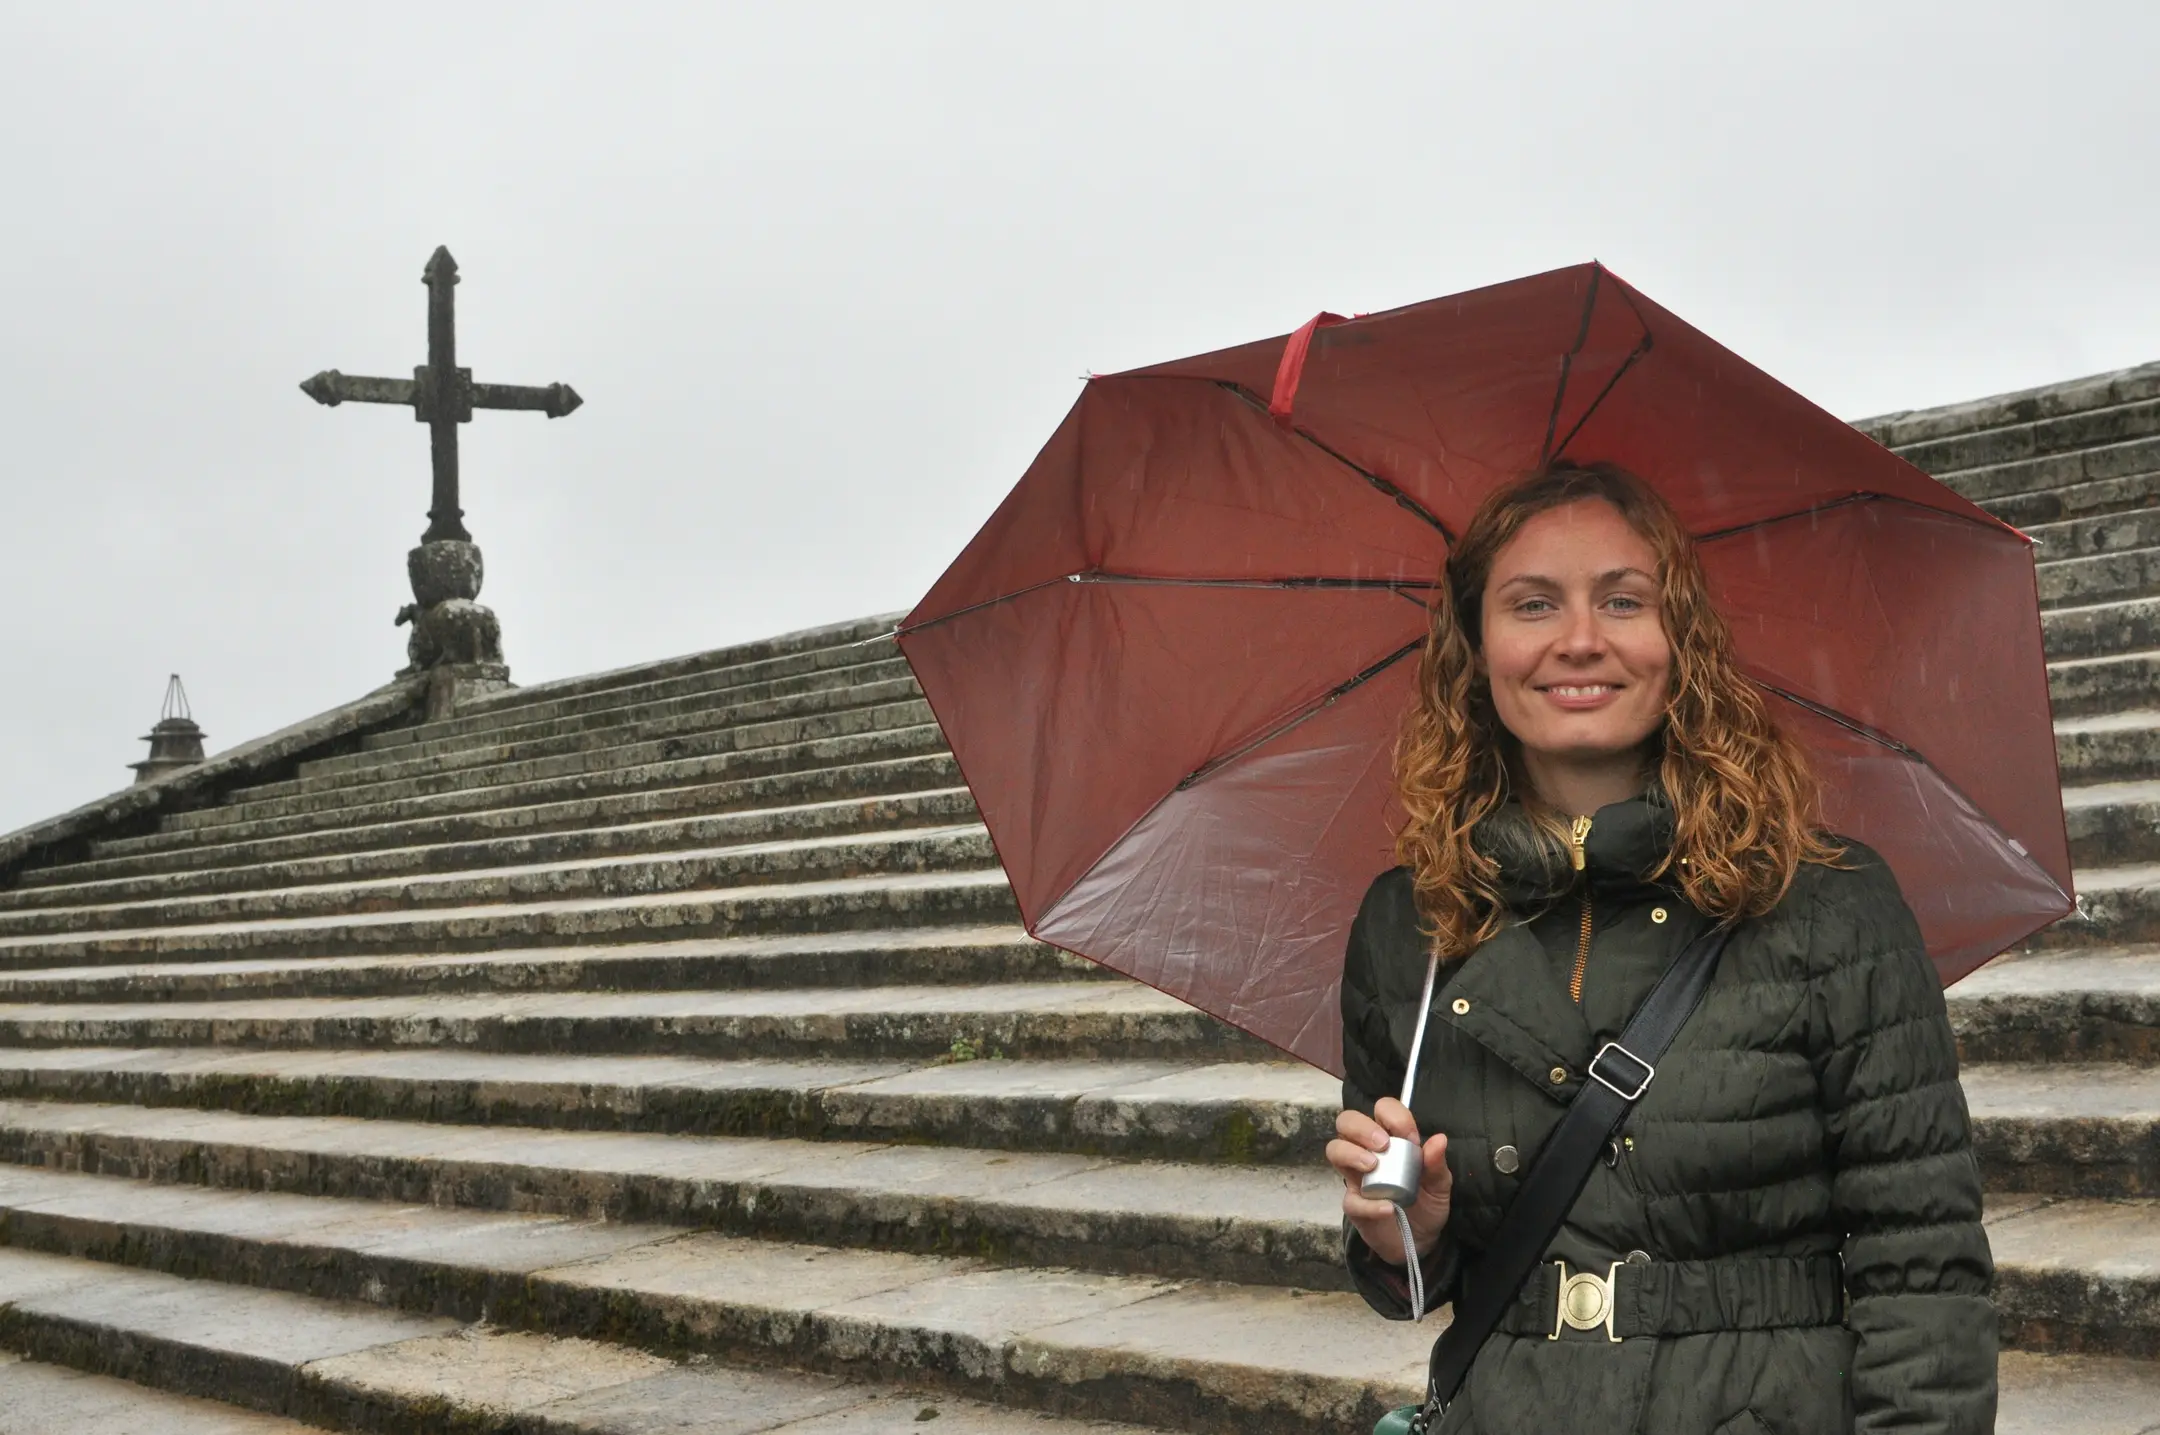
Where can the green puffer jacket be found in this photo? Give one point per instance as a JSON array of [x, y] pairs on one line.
[[1796, 1208]]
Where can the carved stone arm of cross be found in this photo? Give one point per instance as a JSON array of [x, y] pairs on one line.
[[333, 388]]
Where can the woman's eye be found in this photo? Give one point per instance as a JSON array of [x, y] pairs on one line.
[[1531, 607], [1625, 604]]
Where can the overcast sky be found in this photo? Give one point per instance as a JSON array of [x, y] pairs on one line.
[[827, 276]]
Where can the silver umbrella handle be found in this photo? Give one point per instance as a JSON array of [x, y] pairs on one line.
[[1396, 1177]]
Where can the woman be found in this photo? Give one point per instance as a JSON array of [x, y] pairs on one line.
[[1794, 1205]]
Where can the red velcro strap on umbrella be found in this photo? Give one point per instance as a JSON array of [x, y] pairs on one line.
[[1292, 367]]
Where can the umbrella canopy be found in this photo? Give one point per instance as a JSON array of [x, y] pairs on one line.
[[1173, 663]]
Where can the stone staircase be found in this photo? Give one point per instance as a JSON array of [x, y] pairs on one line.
[[659, 1050]]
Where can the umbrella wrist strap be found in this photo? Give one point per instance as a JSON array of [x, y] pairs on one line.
[[1618, 1077]]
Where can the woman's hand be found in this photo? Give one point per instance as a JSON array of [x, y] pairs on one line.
[[1355, 1150]]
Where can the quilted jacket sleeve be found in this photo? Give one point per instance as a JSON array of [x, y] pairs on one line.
[[1373, 1068], [1905, 1187]]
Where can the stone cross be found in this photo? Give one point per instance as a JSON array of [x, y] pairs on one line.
[[442, 396]]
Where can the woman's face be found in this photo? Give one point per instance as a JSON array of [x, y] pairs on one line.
[[1574, 645]]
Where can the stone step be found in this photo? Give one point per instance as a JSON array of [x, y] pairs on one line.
[[1256, 1225], [1062, 1021], [2097, 391], [635, 725], [940, 899], [2001, 487], [1951, 454], [314, 835], [391, 802], [2077, 1275], [350, 1364], [2101, 630], [2076, 1395], [453, 735], [2108, 746], [1196, 1355], [2066, 1128], [1238, 1113], [2113, 823], [2089, 495], [699, 674], [2104, 533], [426, 777], [2083, 687], [951, 848], [924, 956], [147, 878], [2102, 578], [39, 1399], [2089, 1003]]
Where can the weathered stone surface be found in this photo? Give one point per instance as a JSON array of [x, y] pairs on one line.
[[443, 570], [1259, 1225], [354, 1367], [938, 898], [40, 1399], [1230, 1111], [2080, 1276], [981, 953], [1063, 1020], [2077, 1395], [2093, 1005]]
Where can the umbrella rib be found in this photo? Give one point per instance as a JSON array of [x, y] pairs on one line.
[[1864, 496], [1851, 724], [1311, 710], [1641, 348], [1094, 575], [1567, 363], [1384, 485], [1142, 580], [906, 628]]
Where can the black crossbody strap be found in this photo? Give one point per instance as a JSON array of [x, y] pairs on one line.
[[1619, 1075]]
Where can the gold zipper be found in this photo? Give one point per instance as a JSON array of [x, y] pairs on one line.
[[1578, 834]]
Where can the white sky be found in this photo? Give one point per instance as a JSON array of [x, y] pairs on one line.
[[827, 276]]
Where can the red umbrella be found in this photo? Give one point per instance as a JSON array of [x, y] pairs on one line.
[[1173, 663]]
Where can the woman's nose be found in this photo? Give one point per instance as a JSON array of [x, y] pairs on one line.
[[1582, 637]]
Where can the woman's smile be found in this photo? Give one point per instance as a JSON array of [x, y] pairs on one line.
[[1580, 697]]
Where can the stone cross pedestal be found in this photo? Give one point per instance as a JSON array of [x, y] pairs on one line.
[[455, 641]]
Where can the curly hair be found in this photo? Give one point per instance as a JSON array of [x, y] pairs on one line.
[[1744, 795]]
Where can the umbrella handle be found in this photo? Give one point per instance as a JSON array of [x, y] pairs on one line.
[[1396, 1177]]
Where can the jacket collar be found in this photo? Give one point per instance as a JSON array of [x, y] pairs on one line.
[[1628, 842]]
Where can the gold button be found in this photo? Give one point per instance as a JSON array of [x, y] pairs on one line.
[[1559, 1076], [1506, 1158], [1657, 914], [1462, 1006]]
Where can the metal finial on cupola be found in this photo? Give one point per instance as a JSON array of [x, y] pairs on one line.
[[176, 741]]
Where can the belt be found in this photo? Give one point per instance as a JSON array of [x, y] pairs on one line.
[[1679, 1297]]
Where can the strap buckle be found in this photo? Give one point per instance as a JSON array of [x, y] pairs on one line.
[[1612, 1048], [1585, 1301]]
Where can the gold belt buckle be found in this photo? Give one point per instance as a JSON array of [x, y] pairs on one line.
[[1585, 1301]]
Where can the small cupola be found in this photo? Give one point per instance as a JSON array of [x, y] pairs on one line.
[[176, 741]]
